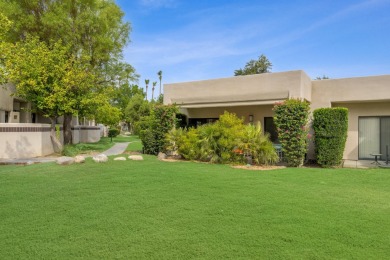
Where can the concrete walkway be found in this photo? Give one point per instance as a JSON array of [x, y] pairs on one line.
[[118, 148]]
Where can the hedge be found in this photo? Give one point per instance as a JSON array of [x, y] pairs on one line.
[[330, 127], [291, 118]]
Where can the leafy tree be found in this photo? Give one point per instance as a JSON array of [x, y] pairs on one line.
[[321, 78], [90, 28], [47, 76], [137, 108], [262, 65]]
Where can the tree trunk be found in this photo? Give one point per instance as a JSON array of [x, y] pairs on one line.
[[68, 138], [57, 146]]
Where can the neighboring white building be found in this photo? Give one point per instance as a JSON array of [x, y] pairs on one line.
[[253, 97], [24, 134]]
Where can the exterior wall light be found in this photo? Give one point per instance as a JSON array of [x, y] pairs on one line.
[[250, 118]]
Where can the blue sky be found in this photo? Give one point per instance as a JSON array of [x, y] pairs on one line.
[[204, 39]]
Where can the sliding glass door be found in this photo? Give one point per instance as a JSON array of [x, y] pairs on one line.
[[374, 136]]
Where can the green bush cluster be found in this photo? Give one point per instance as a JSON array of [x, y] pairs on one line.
[[226, 141], [291, 118], [114, 132], [155, 126], [330, 134]]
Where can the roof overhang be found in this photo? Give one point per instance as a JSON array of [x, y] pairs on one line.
[[269, 98]]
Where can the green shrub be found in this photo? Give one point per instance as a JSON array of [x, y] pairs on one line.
[[330, 134], [257, 145], [291, 118], [154, 127], [226, 141], [114, 132], [70, 150]]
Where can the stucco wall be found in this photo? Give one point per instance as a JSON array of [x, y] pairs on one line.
[[24, 140], [326, 92], [351, 151], [89, 134], [228, 91]]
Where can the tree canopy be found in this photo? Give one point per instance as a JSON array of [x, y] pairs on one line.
[[261, 65], [78, 48]]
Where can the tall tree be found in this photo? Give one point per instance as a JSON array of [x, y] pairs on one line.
[[146, 88], [160, 78], [48, 77], [91, 28], [137, 108], [261, 65], [154, 86]]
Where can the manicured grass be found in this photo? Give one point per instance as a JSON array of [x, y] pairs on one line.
[[104, 144], [161, 210]]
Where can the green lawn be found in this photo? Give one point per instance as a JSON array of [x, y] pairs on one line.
[[161, 210]]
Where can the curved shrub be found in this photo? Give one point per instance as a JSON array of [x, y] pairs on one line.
[[330, 127], [291, 118]]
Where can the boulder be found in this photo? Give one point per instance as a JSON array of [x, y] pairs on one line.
[[120, 159], [100, 158], [79, 159], [65, 160], [161, 156], [136, 157], [29, 163]]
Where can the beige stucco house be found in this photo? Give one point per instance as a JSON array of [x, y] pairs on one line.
[[252, 97]]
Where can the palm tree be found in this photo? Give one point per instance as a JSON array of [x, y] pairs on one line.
[[154, 85], [147, 85], [160, 77]]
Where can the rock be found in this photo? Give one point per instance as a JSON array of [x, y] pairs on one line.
[[161, 156], [100, 158], [29, 163], [136, 157], [65, 160], [120, 159], [79, 159]]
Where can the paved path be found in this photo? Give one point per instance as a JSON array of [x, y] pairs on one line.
[[118, 148]]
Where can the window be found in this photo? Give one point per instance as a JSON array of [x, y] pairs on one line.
[[374, 136], [270, 128]]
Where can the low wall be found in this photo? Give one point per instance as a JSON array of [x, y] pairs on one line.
[[89, 134], [76, 134], [24, 140]]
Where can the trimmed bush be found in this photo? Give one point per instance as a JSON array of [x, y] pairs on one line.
[[330, 134], [291, 118], [154, 128], [114, 132]]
